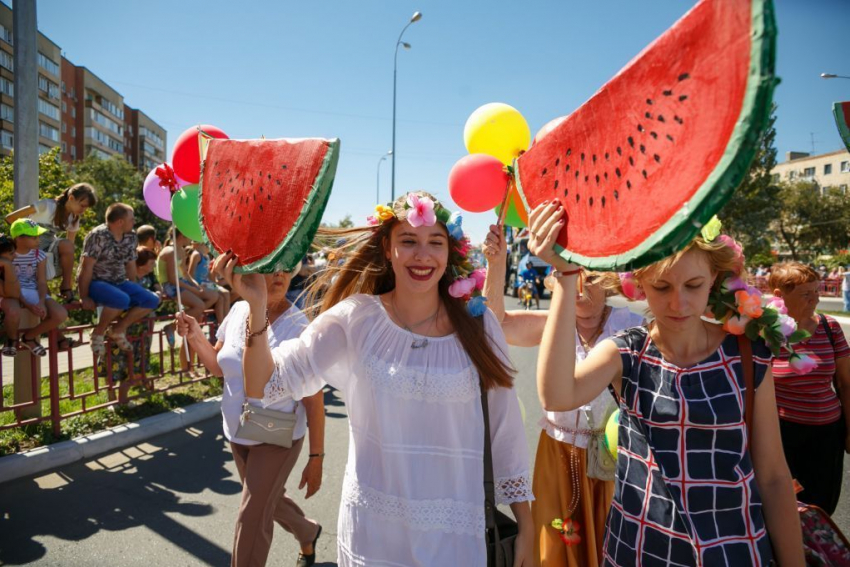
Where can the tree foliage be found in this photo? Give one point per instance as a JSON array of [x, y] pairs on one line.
[[811, 223]]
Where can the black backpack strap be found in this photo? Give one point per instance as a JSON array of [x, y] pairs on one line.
[[489, 483], [825, 323]]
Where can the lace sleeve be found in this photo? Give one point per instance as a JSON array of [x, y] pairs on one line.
[[514, 489]]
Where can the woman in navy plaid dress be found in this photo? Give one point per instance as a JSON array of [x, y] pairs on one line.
[[690, 489]]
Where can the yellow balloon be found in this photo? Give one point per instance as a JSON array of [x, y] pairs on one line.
[[498, 130]]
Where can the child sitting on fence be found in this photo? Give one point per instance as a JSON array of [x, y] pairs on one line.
[[30, 268], [10, 293], [146, 235], [199, 268]]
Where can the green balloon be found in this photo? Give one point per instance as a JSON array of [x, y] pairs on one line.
[[184, 212], [512, 217]]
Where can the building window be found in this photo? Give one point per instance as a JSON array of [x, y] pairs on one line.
[[107, 123], [48, 109], [64, 148], [5, 34], [73, 131], [64, 107], [48, 86], [73, 112], [64, 128], [7, 87], [48, 64], [7, 139], [7, 112], [792, 175], [843, 188], [48, 131], [827, 169], [809, 172], [7, 61], [74, 152], [774, 178], [845, 167]]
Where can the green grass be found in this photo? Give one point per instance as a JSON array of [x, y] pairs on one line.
[[150, 403]]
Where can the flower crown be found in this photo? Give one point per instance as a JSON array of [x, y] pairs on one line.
[[423, 211], [738, 305]]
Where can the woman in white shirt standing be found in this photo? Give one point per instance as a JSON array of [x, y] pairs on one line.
[[570, 484], [264, 468], [60, 214], [411, 361]]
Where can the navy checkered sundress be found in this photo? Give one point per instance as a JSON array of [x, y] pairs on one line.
[[685, 492]]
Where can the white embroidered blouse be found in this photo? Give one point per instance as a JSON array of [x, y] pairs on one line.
[[413, 491]]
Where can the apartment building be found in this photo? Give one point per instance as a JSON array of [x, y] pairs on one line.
[[829, 171], [77, 109]]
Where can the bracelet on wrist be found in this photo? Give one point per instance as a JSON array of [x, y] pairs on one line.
[[316, 455], [249, 334]]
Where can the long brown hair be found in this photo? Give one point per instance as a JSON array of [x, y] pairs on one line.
[[79, 192], [360, 266]]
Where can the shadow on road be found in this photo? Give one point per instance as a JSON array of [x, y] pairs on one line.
[[144, 485]]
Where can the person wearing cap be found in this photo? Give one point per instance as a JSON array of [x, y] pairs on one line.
[[10, 293], [31, 271], [107, 275]]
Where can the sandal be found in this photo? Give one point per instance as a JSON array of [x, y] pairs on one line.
[[68, 295], [98, 346], [10, 349], [67, 343], [120, 340], [33, 346]]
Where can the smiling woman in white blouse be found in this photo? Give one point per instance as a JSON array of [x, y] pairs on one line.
[[410, 360]]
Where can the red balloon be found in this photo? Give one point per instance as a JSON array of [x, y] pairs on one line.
[[478, 182], [186, 159], [548, 127]]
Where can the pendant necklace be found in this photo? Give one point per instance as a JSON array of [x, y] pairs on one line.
[[417, 343]]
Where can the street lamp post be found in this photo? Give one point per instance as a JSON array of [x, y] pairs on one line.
[[414, 18], [833, 76], [378, 184]]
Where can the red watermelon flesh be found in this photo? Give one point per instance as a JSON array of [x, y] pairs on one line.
[[264, 199], [661, 147]]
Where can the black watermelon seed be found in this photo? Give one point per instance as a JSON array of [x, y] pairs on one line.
[[236, 176], [679, 120], [657, 158], [556, 184], [586, 178], [648, 115], [597, 179], [232, 189], [567, 168], [582, 157], [577, 197], [277, 181], [640, 127], [617, 171], [594, 158], [269, 197], [654, 135], [607, 156], [590, 201], [566, 192], [631, 141], [605, 175], [544, 171], [569, 151], [684, 76], [631, 160], [269, 176], [643, 172], [261, 188], [660, 118], [231, 214], [220, 185], [683, 97], [667, 93], [576, 174], [261, 207], [240, 218], [557, 162], [603, 201], [649, 101], [629, 184], [619, 151], [616, 195], [642, 149], [283, 167], [669, 137]]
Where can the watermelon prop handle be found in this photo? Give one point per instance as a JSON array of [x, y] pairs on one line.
[[177, 288], [841, 111]]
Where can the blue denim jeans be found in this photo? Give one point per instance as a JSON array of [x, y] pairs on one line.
[[846, 295], [122, 296]]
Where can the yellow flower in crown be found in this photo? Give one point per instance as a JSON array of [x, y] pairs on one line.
[[383, 213]]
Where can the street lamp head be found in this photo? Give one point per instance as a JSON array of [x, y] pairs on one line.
[[389, 152], [405, 45], [827, 76], [416, 17]]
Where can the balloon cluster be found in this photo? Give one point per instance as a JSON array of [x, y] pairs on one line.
[[171, 190], [495, 135]]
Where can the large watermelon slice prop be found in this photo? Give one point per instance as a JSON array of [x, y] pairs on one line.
[[264, 199], [841, 110], [658, 150]]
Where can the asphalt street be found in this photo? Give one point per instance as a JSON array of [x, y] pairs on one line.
[[173, 500]]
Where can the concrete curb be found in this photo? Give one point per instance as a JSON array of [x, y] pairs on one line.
[[49, 457]]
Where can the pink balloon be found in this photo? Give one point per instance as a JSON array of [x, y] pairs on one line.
[[186, 157], [548, 127], [158, 199], [478, 182]]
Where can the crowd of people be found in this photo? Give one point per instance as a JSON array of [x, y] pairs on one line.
[[388, 318]]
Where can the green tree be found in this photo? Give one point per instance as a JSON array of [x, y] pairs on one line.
[[54, 176], [810, 223], [752, 209]]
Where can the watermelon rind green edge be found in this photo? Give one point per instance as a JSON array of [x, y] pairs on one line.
[[841, 122], [288, 253], [721, 184]]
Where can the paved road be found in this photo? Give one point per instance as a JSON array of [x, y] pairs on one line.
[[173, 499]]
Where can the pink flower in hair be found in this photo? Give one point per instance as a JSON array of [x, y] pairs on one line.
[[462, 287], [479, 276], [421, 212], [801, 363], [464, 247], [739, 252], [779, 304], [630, 287], [372, 221], [736, 324]]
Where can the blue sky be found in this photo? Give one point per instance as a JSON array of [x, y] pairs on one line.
[[303, 69]]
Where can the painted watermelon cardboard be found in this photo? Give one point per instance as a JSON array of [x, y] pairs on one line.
[[658, 150], [841, 111], [264, 199]]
